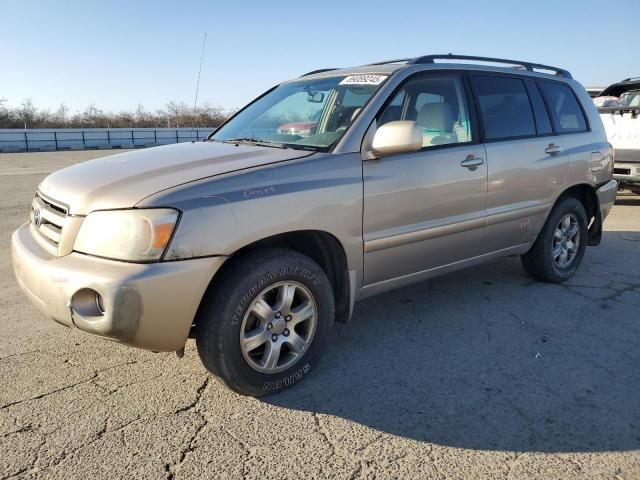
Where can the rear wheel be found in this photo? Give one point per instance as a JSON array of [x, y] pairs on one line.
[[558, 251], [265, 323]]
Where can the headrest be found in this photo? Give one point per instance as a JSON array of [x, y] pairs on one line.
[[436, 116]]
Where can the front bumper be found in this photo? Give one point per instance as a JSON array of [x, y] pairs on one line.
[[607, 197], [150, 306]]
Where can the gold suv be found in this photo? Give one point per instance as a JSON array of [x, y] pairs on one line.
[[326, 189]]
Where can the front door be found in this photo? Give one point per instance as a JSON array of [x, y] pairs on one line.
[[426, 209]]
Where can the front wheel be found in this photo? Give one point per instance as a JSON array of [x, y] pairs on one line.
[[266, 321], [558, 250]]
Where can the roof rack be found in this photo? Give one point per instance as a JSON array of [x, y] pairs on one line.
[[321, 70], [631, 78], [425, 59], [527, 65], [385, 62]]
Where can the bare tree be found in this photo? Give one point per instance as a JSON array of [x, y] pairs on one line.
[[5, 114], [27, 113], [61, 115], [174, 114]]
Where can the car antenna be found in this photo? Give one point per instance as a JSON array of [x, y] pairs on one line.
[[195, 100]]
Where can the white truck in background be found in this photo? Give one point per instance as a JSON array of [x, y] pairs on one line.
[[619, 107]]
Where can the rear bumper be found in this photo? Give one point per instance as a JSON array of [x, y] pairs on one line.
[[627, 173], [151, 306], [606, 197]]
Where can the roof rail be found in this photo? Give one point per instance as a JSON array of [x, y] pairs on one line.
[[560, 72], [385, 62], [312, 72], [631, 78]]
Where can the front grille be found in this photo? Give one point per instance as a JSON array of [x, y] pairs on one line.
[[47, 221], [622, 171]]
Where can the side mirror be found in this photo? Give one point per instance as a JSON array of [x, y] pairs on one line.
[[401, 136]]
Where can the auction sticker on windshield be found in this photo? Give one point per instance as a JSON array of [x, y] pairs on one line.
[[363, 80]]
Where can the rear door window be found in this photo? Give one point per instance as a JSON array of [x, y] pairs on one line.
[[543, 124], [566, 114], [504, 107]]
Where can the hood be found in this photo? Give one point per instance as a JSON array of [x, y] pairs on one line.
[[123, 180]]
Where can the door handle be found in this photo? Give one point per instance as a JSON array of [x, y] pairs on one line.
[[472, 162], [552, 149]]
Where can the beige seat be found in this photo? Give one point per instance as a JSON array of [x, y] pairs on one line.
[[436, 121]]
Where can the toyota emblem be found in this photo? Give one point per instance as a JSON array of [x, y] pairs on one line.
[[37, 217]]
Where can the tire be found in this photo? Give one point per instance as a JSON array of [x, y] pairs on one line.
[[540, 262], [230, 310]]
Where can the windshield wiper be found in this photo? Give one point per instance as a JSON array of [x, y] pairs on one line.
[[300, 146], [255, 141]]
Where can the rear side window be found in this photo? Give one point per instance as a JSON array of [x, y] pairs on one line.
[[504, 107], [566, 113]]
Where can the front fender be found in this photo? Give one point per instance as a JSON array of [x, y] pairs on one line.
[[221, 215]]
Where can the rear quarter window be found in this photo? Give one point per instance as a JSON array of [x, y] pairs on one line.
[[566, 114], [504, 107]]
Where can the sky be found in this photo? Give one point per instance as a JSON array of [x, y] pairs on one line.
[[117, 54]]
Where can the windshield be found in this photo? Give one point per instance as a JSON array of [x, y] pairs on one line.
[[311, 113], [631, 98]]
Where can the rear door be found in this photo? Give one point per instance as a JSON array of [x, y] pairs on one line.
[[527, 161]]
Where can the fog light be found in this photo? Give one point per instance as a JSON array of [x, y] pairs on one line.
[[87, 303]]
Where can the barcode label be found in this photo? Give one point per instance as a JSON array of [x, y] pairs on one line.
[[363, 80]]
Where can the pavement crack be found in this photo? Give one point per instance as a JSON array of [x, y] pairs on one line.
[[26, 428], [46, 394], [171, 469], [106, 428], [434, 463], [321, 431], [369, 443], [618, 292], [13, 355], [168, 472], [111, 391], [509, 464], [246, 448], [195, 402], [91, 379]]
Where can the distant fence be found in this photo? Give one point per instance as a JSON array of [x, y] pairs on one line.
[[95, 138]]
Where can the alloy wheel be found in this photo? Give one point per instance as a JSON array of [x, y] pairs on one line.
[[278, 327]]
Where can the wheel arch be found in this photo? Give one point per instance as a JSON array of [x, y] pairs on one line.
[[322, 247], [586, 194]]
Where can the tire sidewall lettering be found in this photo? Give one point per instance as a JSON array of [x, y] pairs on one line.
[[264, 281], [287, 380]]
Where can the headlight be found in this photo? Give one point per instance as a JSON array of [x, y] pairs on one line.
[[133, 235]]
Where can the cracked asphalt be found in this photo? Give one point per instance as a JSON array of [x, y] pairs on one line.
[[480, 374]]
